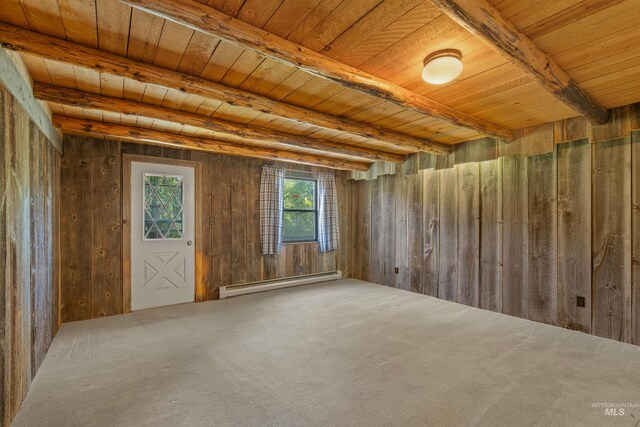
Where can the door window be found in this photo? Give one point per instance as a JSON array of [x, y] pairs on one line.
[[163, 207]]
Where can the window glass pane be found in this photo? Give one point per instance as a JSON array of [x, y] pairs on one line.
[[299, 194], [163, 207], [299, 225]]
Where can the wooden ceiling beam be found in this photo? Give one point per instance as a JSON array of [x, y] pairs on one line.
[[21, 40], [486, 22], [76, 98], [207, 20], [139, 135]]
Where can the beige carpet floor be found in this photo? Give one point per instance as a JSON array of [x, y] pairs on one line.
[[344, 353]]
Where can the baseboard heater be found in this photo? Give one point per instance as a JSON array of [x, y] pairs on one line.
[[268, 285]]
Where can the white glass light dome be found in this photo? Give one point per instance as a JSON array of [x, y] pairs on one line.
[[442, 66]]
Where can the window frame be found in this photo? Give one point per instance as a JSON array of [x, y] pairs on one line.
[[314, 210]]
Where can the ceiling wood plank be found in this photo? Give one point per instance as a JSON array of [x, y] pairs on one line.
[[208, 20], [19, 39], [485, 22], [76, 98], [139, 135]]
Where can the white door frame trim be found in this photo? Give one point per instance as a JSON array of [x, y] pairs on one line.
[[127, 159]]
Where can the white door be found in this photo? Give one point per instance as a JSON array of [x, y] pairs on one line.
[[162, 235]]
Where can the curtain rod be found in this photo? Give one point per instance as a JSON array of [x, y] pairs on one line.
[[307, 172]]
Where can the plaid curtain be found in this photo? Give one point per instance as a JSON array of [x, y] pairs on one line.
[[271, 206], [328, 212]]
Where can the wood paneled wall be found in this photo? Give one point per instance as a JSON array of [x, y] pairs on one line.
[[520, 235], [29, 181], [229, 248]]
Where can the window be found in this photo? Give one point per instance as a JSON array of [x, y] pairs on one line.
[[300, 222], [163, 207]]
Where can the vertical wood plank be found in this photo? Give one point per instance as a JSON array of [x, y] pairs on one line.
[[40, 280], [574, 234], [364, 229], [635, 237], [476, 151], [611, 240], [431, 231], [616, 127], [414, 232], [378, 240], [36, 238], [538, 139], [343, 187], [126, 236], [204, 285], [356, 227], [106, 232], [218, 200], [515, 236], [296, 266], [491, 235], [448, 214], [426, 160], [18, 340], [239, 220], [47, 327], [253, 251], [389, 250], [543, 285], [4, 265], [221, 196], [400, 195], [76, 229], [56, 259], [468, 189], [571, 129]]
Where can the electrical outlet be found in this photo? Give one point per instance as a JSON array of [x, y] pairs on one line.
[[211, 220], [397, 271], [580, 301]]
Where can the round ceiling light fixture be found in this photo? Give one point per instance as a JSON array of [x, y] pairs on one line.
[[442, 66]]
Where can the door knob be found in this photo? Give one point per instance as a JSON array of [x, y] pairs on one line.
[[189, 243]]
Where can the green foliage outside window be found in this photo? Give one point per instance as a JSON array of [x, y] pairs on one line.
[[299, 221]]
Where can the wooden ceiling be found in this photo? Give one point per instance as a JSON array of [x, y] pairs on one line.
[[596, 42]]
